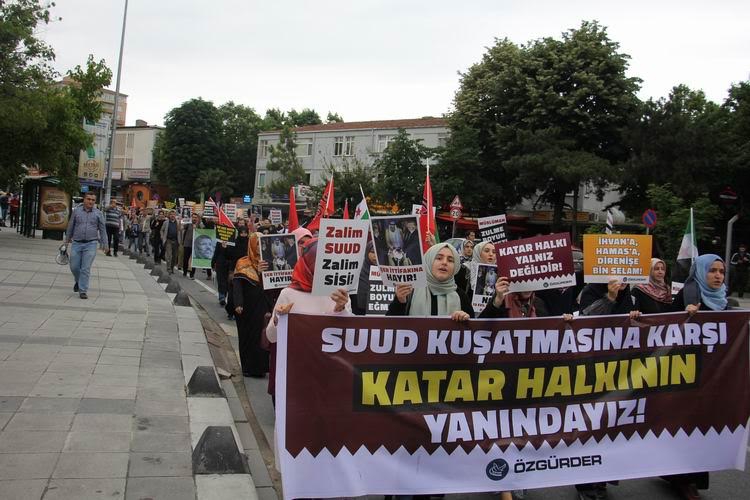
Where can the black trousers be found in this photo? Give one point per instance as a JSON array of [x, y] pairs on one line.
[[113, 238]]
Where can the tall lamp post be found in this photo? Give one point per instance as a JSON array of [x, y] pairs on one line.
[[113, 128]]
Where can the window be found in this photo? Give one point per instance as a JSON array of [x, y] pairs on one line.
[[130, 140], [349, 145], [307, 178], [442, 140], [264, 149], [262, 180], [343, 146], [383, 141], [128, 163], [338, 146], [304, 147]]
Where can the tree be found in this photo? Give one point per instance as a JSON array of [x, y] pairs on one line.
[[348, 175], [212, 181], [334, 118], [191, 145], [542, 117], [40, 119], [737, 106], [283, 159], [401, 171], [240, 128], [672, 140], [305, 117]]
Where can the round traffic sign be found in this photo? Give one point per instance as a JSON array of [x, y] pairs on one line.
[[455, 213], [649, 218]]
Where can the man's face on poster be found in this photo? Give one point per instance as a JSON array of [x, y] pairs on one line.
[[203, 247], [411, 226]]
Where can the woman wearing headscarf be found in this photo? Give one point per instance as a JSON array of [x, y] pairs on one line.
[[704, 290], [359, 302], [297, 298], [656, 295], [250, 308]]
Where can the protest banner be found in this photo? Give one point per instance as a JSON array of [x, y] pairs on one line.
[[340, 255], [209, 209], [417, 209], [485, 277], [402, 405], [275, 216], [225, 230], [626, 257], [398, 245], [379, 296], [537, 263], [281, 253], [230, 209], [204, 243], [492, 228], [181, 202], [186, 212]]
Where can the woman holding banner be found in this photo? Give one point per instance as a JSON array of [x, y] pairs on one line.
[[250, 308], [656, 295]]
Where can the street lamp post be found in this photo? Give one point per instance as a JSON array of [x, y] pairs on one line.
[[113, 128]]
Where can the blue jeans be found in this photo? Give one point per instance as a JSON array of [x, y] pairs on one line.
[[81, 257]]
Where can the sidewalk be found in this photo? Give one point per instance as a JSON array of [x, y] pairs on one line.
[[92, 392]]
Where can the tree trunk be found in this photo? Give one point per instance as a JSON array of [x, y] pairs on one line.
[[574, 223], [559, 205]]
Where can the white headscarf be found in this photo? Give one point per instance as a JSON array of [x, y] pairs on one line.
[[448, 300]]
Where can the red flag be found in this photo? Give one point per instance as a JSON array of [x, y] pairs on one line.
[[346, 208], [223, 219], [325, 207], [293, 222], [426, 215]]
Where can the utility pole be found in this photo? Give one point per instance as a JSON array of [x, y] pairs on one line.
[[113, 128]]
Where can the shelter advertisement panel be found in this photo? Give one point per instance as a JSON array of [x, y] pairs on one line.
[[626, 257], [493, 228], [340, 255], [398, 245], [204, 243], [537, 263], [54, 208], [409, 406], [281, 253]]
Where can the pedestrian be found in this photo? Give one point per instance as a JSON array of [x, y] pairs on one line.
[[171, 236], [132, 230], [740, 262], [86, 228], [4, 204], [156, 242], [250, 308], [656, 295], [15, 207], [144, 222], [113, 219]]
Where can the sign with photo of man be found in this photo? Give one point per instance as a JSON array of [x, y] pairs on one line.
[[398, 245], [204, 243], [280, 252]]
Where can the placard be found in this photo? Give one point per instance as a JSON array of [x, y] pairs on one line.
[[484, 288], [379, 296], [341, 253], [186, 214], [398, 245], [230, 209], [281, 253], [492, 228], [226, 234], [275, 216], [626, 257], [204, 243], [54, 209], [537, 263], [209, 209]]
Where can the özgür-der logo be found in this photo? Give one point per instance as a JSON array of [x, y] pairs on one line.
[[497, 469]]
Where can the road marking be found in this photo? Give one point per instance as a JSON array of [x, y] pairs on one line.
[[205, 286]]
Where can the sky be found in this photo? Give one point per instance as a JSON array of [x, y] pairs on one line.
[[376, 59]]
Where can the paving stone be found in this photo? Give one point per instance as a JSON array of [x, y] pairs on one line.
[[109, 392], [74, 465], [122, 352], [238, 412], [145, 407], [85, 489], [98, 441], [119, 360], [258, 468], [246, 436], [79, 368], [4, 418], [58, 390], [161, 488], [165, 424], [96, 405], [160, 464], [40, 422], [161, 394], [266, 493], [116, 370], [10, 403], [31, 441], [114, 380], [221, 486], [160, 442], [22, 489], [49, 405]]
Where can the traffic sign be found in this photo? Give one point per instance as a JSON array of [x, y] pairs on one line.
[[456, 203], [247, 199], [649, 218], [456, 213]]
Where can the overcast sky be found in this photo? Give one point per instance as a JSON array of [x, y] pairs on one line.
[[376, 59]]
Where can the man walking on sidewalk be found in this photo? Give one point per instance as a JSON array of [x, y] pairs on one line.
[[85, 229], [171, 237], [113, 226]]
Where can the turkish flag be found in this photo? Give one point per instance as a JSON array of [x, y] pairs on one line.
[[325, 207], [293, 222]]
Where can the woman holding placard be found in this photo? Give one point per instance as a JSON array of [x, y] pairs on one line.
[[656, 295]]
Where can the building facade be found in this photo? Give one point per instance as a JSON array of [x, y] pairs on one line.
[[133, 156], [331, 144]]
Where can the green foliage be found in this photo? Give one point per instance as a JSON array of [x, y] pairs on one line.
[[215, 180], [334, 118], [283, 159], [401, 171], [240, 128], [301, 118], [674, 212], [40, 121], [192, 144], [674, 139], [737, 106], [348, 175], [544, 116]]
